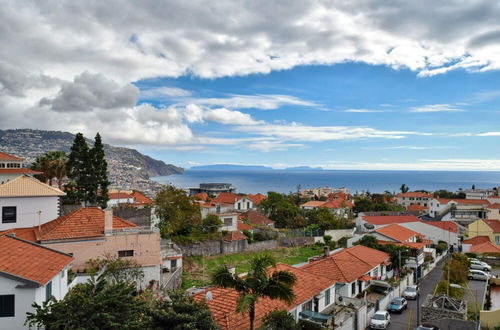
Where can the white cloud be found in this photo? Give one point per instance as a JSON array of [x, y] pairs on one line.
[[410, 148], [365, 110], [262, 102], [437, 108], [422, 164], [161, 93]]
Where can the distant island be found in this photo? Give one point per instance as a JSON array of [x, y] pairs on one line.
[[232, 167]]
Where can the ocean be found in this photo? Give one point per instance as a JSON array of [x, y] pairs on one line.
[[285, 181]]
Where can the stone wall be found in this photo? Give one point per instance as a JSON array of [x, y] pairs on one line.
[[295, 241], [206, 248], [430, 313], [210, 248], [141, 217], [263, 245]]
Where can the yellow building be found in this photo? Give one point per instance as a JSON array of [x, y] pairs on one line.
[[485, 227]]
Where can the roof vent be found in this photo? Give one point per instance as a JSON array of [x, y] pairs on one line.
[[208, 296], [369, 225]]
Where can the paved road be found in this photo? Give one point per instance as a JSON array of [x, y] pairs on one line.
[[427, 285]]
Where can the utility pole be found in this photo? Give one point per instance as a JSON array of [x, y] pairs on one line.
[[399, 273]]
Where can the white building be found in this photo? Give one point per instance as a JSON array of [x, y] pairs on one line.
[[229, 221], [20, 287], [465, 210], [414, 198], [436, 231], [11, 167], [27, 202]]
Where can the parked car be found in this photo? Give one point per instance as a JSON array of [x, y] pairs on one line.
[[476, 264], [411, 292], [480, 275], [398, 305], [380, 320], [426, 327]]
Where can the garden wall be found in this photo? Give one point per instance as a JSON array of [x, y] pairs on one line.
[[295, 241], [210, 248], [140, 217]]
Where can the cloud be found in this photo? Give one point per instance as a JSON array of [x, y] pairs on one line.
[[410, 148], [89, 91], [161, 93], [268, 146], [365, 110], [437, 108], [259, 101], [422, 165]]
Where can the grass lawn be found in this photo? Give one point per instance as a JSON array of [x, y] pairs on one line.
[[196, 270]]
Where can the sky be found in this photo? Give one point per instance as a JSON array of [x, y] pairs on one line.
[[338, 84]]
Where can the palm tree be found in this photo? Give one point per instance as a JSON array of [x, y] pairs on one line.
[[52, 165], [258, 283]]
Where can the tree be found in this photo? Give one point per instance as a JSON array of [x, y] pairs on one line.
[[368, 241], [52, 164], [181, 312], [177, 212], [404, 188], [257, 284], [211, 223], [79, 171], [100, 173], [397, 253], [278, 320], [96, 304], [116, 269]]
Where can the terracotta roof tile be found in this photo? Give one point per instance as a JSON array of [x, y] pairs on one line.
[[416, 207], [243, 226], [256, 218], [28, 234], [464, 201], [227, 198], [234, 235], [493, 224], [140, 198], [4, 156], [397, 232], [446, 225], [19, 170], [202, 196], [330, 204], [223, 303], [388, 219], [30, 261], [485, 247], [476, 240], [26, 186], [257, 199], [415, 194], [82, 223], [494, 206]]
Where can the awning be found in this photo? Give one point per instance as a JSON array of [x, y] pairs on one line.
[[365, 278], [386, 263]]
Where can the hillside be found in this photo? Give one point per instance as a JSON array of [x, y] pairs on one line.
[[127, 167]]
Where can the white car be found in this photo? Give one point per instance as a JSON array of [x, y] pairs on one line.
[[411, 292], [475, 274], [380, 320], [476, 264]]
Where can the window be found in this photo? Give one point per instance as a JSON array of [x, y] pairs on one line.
[[375, 272], [173, 263], [126, 253], [228, 222], [307, 306], [327, 297], [353, 288], [497, 239], [239, 206], [7, 305], [9, 214], [248, 205], [48, 290]]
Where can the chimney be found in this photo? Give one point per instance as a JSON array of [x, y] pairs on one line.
[[108, 221], [326, 251]]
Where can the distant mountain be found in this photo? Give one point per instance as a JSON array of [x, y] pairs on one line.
[[304, 168], [127, 167], [229, 167]]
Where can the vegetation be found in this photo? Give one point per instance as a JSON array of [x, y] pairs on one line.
[[455, 272], [397, 253], [448, 194], [278, 320], [368, 241], [365, 204], [116, 269], [211, 223], [325, 219], [257, 284], [52, 165], [282, 211], [196, 270], [178, 215], [87, 173], [404, 188], [104, 304]]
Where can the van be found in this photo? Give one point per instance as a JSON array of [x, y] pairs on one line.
[[480, 275]]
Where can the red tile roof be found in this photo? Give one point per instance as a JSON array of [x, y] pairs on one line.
[[28, 234], [493, 224], [202, 196], [412, 245], [340, 195], [494, 206], [4, 156], [416, 207], [243, 226], [464, 201], [119, 195], [397, 232], [256, 218], [333, 204], [486, 247], [234, 235], [388, 219], [414, 194], [19, 170], [140, 198], [347, 265], [257, 199], [476, 240], [30, 261], [227, 198], [83, 223], [223, 303], [446, 225]]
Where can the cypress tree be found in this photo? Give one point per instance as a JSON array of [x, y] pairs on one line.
[[100, 173], [79, 169]]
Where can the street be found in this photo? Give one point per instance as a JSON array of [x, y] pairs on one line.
[[427, 285]]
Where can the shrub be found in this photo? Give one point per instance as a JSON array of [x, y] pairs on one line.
[[278, 320]]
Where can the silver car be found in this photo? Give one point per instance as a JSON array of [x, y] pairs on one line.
[[476, 264], [411, 292], [480, 275]]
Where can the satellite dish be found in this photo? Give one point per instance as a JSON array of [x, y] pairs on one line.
[[369, 225]]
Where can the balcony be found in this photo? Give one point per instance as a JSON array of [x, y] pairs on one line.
[[415, 261]]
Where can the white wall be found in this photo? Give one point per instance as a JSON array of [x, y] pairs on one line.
[[24, 297], [234, 222], [431, 232], [121, 200], [321, 303], [243, 204], [28, 208]]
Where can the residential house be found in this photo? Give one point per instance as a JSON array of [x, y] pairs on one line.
[[480, 245], [340, 207], [352, 269], [212, 188], [366, 222], [485, 227], [401, 236], [417, 210], [312, 293], [92, 233], [29, 273], [11, 167], [463, 211], [413, 198], [239, 203], [257, 199], [26, 202], [256, 219], [229, 221], [129, 198], [493, 211], [478, 193], [436, 231]]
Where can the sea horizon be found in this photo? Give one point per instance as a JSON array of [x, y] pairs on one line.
[[375, 181]]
